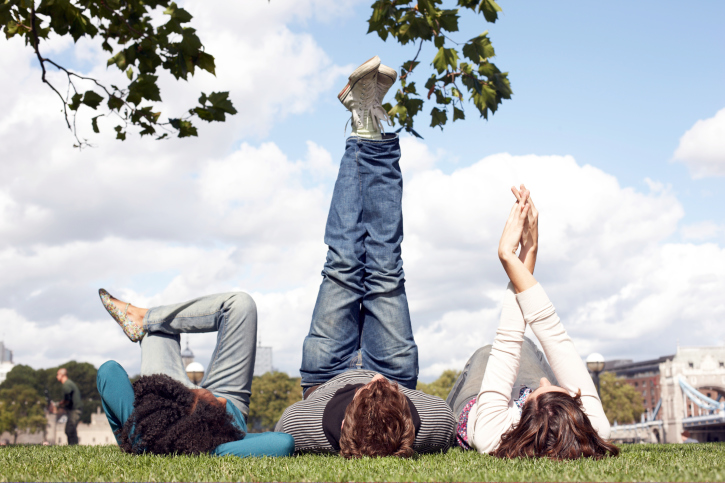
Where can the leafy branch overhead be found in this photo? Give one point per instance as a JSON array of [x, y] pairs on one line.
[[458, 68], [138, 47]]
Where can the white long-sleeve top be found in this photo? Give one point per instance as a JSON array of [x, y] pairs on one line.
[[494, 412]]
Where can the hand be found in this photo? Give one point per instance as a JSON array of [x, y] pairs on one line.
[[530, 234], [521, 277], [512, 232]]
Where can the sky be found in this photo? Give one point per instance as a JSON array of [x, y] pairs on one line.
[[617, 125]]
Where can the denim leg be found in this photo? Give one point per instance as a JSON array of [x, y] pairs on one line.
[[532, 367], [468, 384], [233, 316], [387, 343], [334, 336], [362, 302]]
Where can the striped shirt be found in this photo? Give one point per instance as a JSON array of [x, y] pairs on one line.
[[303, 420]]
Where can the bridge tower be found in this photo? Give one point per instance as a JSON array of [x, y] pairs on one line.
[[702, 368]]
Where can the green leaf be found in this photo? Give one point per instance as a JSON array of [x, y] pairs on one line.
[[119, 59], [92, 99], [438, 118], [410, 65], [479, 48], [220, 100], [94, 122], [185, 128], [458, 114], [206, 62], [181, 15], [115, 103], [119, 133], [129, 73], [75, 102], [445, 58], [144, 87], [490, 10], [449, 20]]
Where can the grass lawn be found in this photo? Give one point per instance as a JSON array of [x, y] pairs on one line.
[[684, 462]]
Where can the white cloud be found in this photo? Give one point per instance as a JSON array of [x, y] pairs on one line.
[[702, 148], [702, 231], [253, 220]]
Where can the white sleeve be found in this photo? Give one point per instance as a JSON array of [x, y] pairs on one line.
[[495, 413], [568, 367]]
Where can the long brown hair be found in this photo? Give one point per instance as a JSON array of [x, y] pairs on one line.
[[378, 422], [554, 425]]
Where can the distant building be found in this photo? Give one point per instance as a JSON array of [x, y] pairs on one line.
[[186, 355], [263, 361], [98, 432], [644, 376], [6, 361]]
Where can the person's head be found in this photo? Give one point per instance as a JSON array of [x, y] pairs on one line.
[[378, 422], [170, 418], [62, 375], [553, 425]]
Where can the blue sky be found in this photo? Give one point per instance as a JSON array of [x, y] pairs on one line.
[[614, 87]]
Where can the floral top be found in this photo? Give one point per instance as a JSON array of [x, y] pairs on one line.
[[462, 429]]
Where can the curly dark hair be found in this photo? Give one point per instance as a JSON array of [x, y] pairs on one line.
[[378, 422], [162, 421], [553, 425]]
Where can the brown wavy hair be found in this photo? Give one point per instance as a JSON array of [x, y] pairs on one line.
[[163, 422], [378, 423], [553, 425]]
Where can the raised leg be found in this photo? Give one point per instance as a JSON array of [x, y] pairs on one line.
[[387, 343], [233, 316], [334, 336]]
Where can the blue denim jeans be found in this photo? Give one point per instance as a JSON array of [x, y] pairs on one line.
[[233, 316], [361, 317]]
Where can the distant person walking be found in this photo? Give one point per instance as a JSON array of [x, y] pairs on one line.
[[71, 405]]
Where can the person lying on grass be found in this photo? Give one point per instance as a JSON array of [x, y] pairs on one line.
[[163, 412], [509, 400], [359, 359]]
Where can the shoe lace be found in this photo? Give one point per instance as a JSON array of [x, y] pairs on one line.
[[369, 104]]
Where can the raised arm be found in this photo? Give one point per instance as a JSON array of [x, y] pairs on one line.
[[539, 312], [494, 413]]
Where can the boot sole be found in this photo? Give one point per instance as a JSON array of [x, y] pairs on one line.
[[388, 72], [366, 68]]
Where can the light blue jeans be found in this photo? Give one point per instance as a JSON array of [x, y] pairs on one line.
[[532, 367], [233, 316], [361, 317]]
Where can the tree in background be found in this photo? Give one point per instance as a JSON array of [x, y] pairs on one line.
[[138, 44], [145, 37], [621, 401], [441, 386], [21, 409], [82, 373], [459, 67], [272, 393]]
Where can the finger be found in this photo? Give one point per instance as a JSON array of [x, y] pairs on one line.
[[516, 193]]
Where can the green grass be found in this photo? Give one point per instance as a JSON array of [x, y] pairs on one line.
[[685, 462]]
